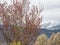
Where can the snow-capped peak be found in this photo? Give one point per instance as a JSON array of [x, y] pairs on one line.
[[50, 25]]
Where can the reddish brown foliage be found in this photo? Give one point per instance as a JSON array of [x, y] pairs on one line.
[[22, 21]]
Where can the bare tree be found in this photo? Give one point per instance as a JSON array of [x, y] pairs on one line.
[[21, 21]]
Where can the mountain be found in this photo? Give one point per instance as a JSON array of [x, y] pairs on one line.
[[50, 27], [49, 32]]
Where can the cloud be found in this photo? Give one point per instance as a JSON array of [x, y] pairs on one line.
[[51, 3], [51, 10], [51, 14]]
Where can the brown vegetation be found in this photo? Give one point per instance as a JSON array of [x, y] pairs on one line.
[[53, 40], [20, 21]]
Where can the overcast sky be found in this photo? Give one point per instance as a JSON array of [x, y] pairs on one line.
[[51, 10]]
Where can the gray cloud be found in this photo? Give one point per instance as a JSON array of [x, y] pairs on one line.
[[51, 3], [51, 10]]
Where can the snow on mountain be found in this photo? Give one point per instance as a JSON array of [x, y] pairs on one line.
[[50, 25]]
